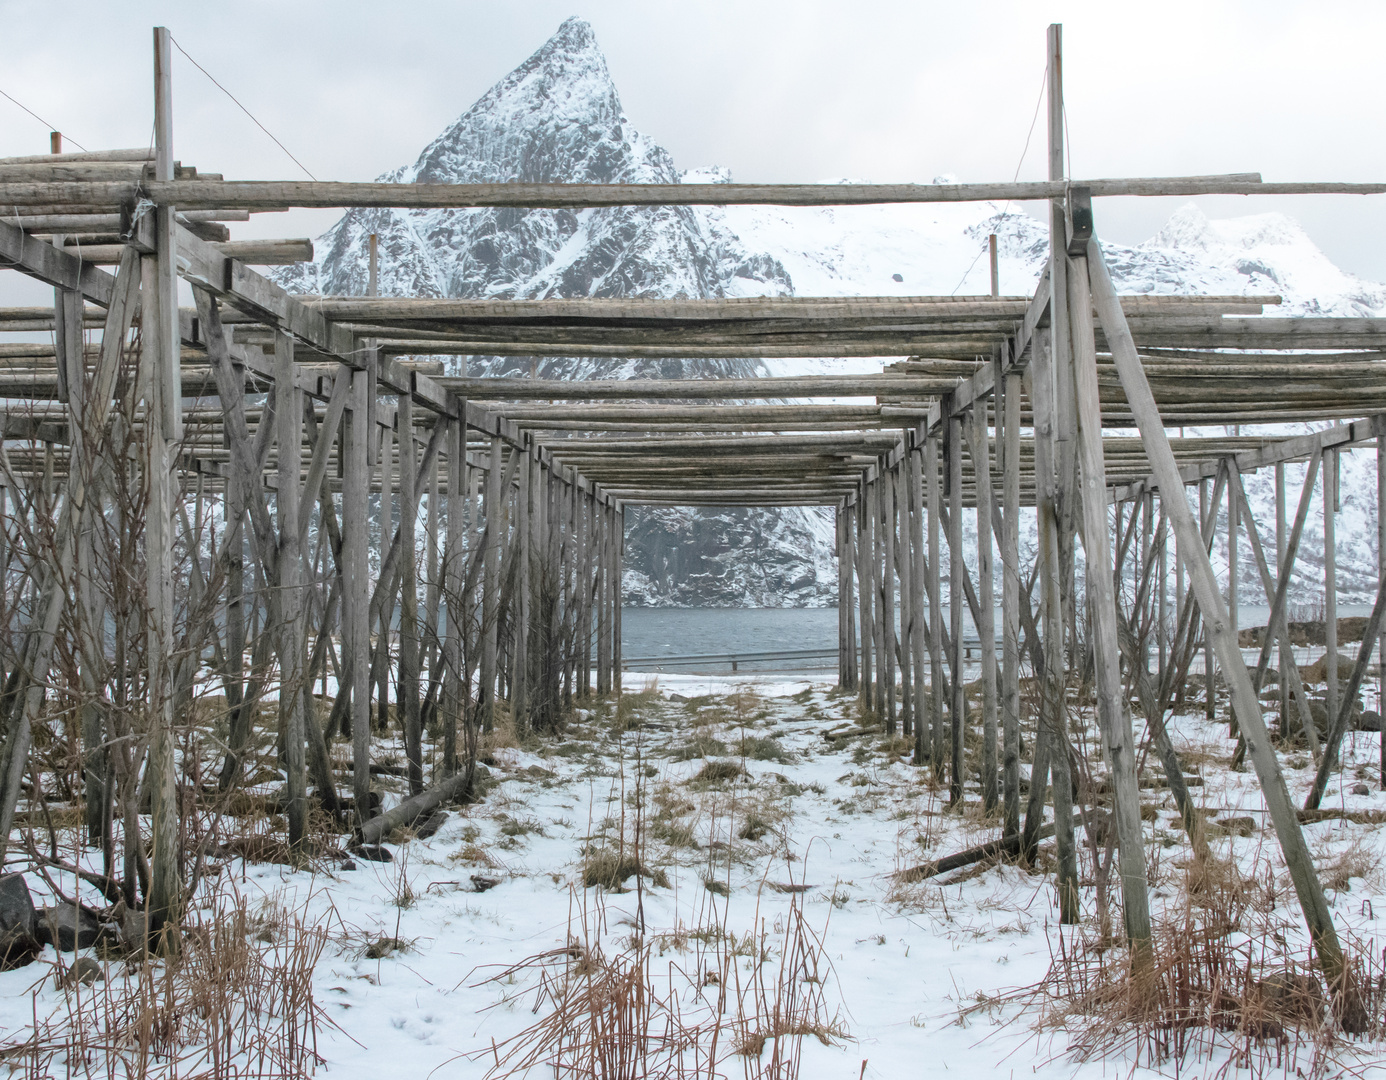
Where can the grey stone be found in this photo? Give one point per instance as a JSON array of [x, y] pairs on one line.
[[83, 972], [1361, 789], [68, 927], [19, 943]]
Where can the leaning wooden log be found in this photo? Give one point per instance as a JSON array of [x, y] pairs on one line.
[[416, 807], [1008, 846]]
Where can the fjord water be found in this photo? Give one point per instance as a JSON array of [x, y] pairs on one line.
[[659, 632]]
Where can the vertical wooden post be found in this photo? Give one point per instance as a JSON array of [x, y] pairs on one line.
[[862, 518], [1010, 599], [1162, 596], [524, 505], [433, 573], [1330, 583], [407, 685], [1284, 683], [490, 600], [618, 548], [995, 266], [356, 644], [603, 597], [986, 601], [952, 451], [387, 608], [1051, 745], [884, 668], [1112, 714], [1381, 570], [1233, 573], [918, 631], [164, 402], [904, 571], [1209, 675], [935, 501], [1202, 580], [288, 414], [886, 486], [454, 693], [839, 515], [849, 598]]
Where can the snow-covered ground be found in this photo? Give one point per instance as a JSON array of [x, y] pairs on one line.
[[917, 975]]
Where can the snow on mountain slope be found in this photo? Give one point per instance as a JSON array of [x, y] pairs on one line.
[[558, 117]]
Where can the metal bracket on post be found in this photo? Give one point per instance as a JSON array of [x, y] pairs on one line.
[[1078, 218]]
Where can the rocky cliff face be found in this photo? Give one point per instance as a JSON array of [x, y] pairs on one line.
[[558, 117]]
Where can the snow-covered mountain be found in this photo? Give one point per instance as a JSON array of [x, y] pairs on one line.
[[558, 117]]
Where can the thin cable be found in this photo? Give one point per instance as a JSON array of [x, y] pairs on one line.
[[240, 106], [1018, 165], [41, 120]]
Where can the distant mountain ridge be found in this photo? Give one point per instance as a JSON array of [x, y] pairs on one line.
[[558, 117]]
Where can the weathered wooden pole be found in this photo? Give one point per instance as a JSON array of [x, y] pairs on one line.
[[1381, 570], [163, 905], [407, 684], [935, 585], [618, 551], [386, 613], [839, 543], [957, 568], [1206, 508], [1051, 744], [862, 523], [885, 485], [905, 572], [885, 669], [919, 633], [986, 601], [1330, 583], [490, 600], [604, 593], [1233, 573], [1204, 584], [1112, 714], [288, 422], [1010, 598], [356, 625], [524, 508], [1284, 684]]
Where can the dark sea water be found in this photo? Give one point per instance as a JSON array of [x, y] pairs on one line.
[[661, 632]]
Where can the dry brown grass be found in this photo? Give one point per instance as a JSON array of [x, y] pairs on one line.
[[609, 1011], [1226, 988], [236, 1001]]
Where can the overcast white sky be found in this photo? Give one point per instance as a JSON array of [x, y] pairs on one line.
[[800, 91]]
